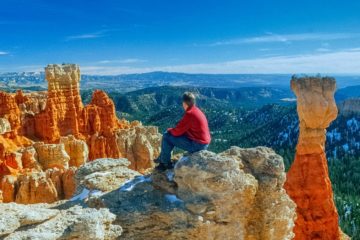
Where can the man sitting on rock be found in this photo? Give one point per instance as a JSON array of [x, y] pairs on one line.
[[190, 134]]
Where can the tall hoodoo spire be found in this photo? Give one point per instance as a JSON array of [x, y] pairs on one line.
[[308, 182]]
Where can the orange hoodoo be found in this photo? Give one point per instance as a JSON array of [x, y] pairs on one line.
[[69, 134], [65, 114], [308, 182]]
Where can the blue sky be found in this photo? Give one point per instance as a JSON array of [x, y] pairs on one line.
[[115, 36]]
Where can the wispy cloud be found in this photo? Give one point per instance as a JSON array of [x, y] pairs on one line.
[[344, 61], [286, 38], [123, 61], [98, 34], [2, 53], [84, 36]]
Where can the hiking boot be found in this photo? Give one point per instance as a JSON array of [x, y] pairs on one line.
[[163, 167]]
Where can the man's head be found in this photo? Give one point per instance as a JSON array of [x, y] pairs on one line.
[[188, 100]]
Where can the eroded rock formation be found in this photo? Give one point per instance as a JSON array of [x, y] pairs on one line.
[[77, 150], [10, 111], [67, 134], [11, 139], [43, 172], [140, 145], [39, 186], [96, 123], [104, 174], [63, 106], [52, 155], [308, 182], [35, 188], [237, 194], [50, 222], [4, 126]]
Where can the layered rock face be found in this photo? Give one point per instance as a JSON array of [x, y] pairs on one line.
[[104, 174], [308, 182], [39, 187], [139, 144], [67, 219], [5, 126], [44, 174], [77, 149], [47, 222], [11, 139], [16, 122], [237, 194], [96, 123], [10, 111], [63, 105], [67, 134], [52, 155]]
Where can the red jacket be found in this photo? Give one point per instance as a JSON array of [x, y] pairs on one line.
[[194, 125]]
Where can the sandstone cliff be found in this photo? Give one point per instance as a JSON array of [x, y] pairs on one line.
[[63, 106], [67, 134], [43, 222], [308, 182], [237, 194], [96, 123], [44, 174], [11, 139]]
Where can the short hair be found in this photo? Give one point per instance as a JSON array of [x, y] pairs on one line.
[[189, 98]]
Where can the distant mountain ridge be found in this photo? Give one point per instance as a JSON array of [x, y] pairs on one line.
[[131, 82]]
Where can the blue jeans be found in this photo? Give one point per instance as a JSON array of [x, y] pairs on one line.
[[183, 142]]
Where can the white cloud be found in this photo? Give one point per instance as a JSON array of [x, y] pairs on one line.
[[84, 36], [93, 35], [286, 38], [3, 53], [345, 61]]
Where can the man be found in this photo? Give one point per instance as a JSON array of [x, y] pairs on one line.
[[190, 134]]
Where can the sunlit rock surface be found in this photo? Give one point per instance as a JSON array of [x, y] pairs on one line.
[[52, 131], [52, 155], [5, 126], [237, 194], [308, 182], [46, 222], [77, 150], [104, 174]]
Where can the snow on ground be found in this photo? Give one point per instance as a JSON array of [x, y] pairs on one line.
[[129, 185], [353, 124], [172, 198], [170, 175], [334, 135], [86, 193]]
